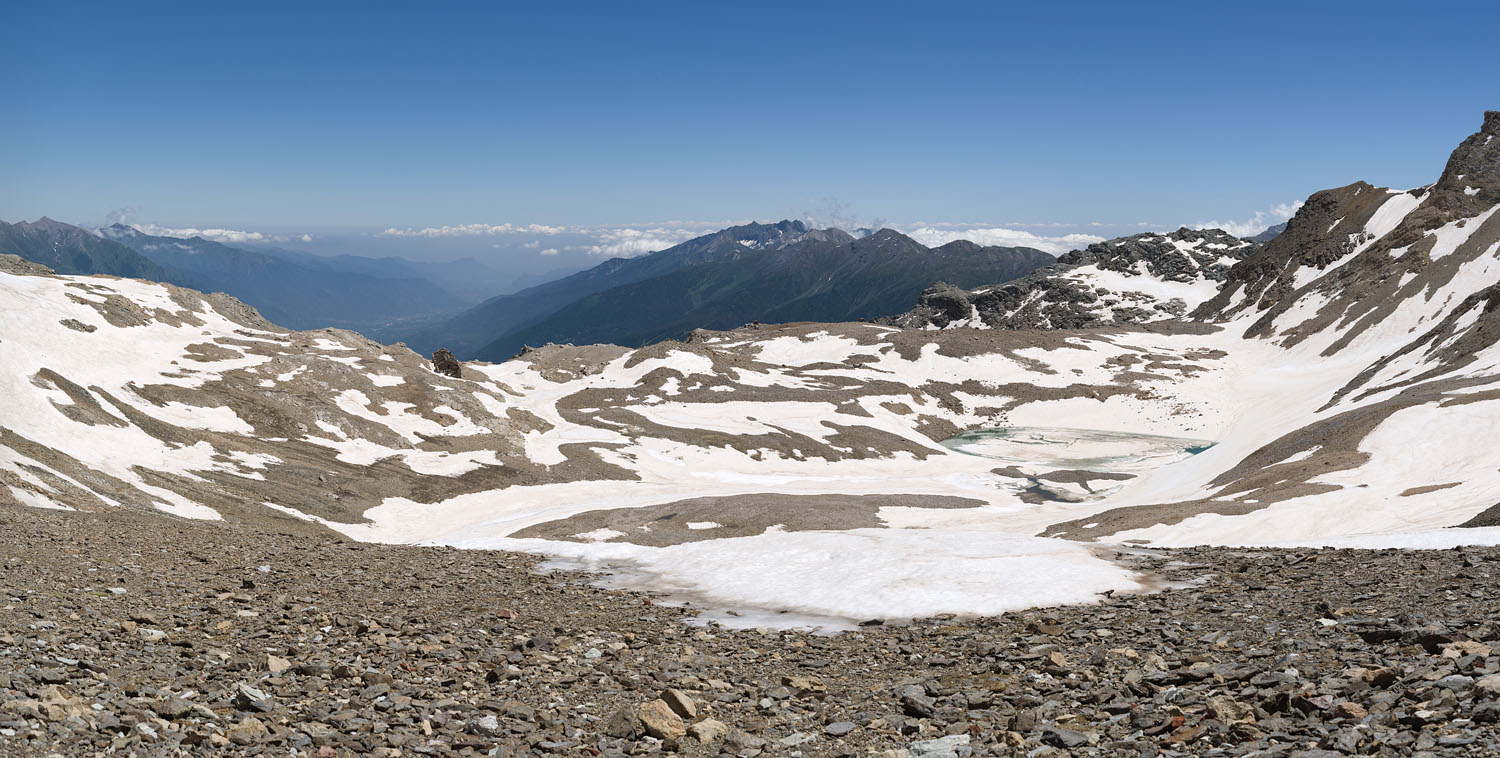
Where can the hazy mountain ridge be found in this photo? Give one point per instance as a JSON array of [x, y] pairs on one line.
[[299, 290], [821, 275], [469, 332], [468, 279], [288, 292]]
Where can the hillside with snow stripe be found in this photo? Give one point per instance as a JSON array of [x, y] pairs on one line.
[[1338, 385]]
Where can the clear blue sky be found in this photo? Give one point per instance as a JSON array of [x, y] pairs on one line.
[[360, 116]]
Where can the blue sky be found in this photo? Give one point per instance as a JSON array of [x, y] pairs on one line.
[[343, 120]]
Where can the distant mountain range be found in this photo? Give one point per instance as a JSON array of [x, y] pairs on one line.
[[766, 272], [772, 273], [373, 296], [1270, 233]]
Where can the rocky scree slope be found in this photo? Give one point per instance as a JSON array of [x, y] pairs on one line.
[[117, 636]]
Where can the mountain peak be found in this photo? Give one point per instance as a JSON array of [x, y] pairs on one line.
[[756, 235], [48, 223], [831, 234], [1471, 180]]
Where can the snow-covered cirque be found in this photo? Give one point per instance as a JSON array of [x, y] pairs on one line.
[[1338, 387]]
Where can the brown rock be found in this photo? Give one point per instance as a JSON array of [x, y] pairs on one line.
[[248, 732], [708, 730], [1348, 710], [660, 722], [1230, 711], [1462, 648], [681, 703], [804, 684]]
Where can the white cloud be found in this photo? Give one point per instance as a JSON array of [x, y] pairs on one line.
[[1256, 224], [629, 242], [550, 251], [474, 230], [532, 245], [217, 235], [1056, 245]]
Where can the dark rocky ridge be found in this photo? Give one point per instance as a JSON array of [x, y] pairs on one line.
[[1330, 226]]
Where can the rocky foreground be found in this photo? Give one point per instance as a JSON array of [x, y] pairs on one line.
[[124, 634]]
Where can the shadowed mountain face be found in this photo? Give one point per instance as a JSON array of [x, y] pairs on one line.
[[475, 328], [67, 249], [823, 275], [766, 272]]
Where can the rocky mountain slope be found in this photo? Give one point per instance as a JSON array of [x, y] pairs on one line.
[[1130, 280], [765, 272]]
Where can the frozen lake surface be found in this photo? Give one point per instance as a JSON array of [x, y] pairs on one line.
[[1082, 449]]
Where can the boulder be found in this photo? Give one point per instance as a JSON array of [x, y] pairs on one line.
[[660, 722], [444, 363]]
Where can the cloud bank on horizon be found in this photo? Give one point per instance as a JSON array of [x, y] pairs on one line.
[[629, 241], [228, 236]]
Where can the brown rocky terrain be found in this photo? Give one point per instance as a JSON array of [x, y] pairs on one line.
[[122, 634]]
